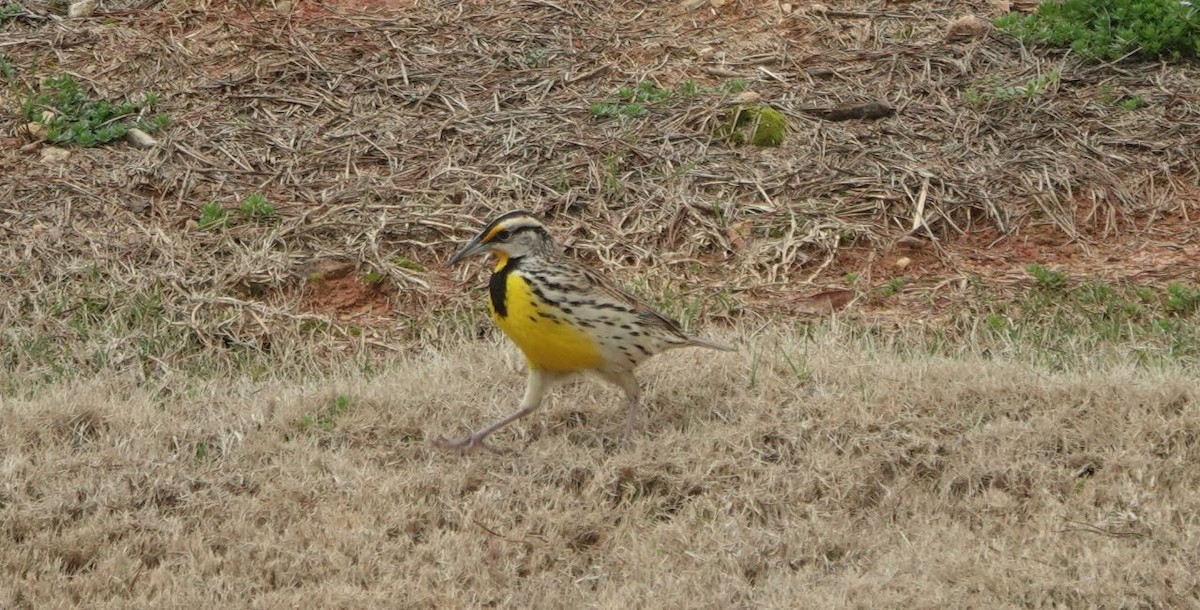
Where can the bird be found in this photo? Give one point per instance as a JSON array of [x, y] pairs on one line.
[[566, 318]]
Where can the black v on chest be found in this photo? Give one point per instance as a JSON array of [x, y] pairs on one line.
[[498, 287]]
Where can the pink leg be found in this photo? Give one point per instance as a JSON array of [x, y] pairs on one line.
[[633, 400], [535, 389]]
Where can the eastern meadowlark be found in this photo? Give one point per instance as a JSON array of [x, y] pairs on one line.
[[566, 318]]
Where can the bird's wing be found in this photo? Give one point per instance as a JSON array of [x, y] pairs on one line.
[[604, 287]]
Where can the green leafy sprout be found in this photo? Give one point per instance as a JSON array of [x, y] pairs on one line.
[[71, 117], [255, 208], [636, 100]]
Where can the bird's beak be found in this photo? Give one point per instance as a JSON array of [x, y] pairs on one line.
[[472, 248]]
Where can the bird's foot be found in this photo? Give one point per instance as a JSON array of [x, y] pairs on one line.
[[467, 444]]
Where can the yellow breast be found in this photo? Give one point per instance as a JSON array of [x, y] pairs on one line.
[[548, 339]]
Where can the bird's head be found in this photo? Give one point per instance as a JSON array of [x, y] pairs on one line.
[[511, 235]]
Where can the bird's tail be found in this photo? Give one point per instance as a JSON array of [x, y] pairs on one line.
[[695, 341]]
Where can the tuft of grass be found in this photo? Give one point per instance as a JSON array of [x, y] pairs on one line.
[[73, 118], [611, 110], [613, 187], [10, 10], [213, 216], [1132, 103], [1059, 323], [680, 306], [1110, 29], [374, 278], [106, 326], [326, 420], [893, 287], [636, 100], [1127, 102], [1047, 278], [1107, 96], [1033, 88], [1181, 300], [255, 208]]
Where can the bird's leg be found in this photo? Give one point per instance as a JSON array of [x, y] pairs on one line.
[[633, 401], [535, 389]]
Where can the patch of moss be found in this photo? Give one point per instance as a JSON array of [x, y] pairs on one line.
[[759, 125], [408, 263]]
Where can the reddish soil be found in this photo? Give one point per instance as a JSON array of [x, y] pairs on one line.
[[347, 297]]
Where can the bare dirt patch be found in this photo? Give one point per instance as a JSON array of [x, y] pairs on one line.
[[339, 289], [347, 297]]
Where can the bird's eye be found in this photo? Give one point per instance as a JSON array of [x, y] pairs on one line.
[[503, 235]]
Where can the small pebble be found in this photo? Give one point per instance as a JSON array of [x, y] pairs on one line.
[[967, 26], [37, 130], [139, 138], [54, 154], [81, 9]]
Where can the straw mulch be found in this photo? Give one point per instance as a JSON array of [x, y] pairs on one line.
[[385, 133]]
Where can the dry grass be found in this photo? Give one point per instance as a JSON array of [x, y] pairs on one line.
[[240, 415], [808, 473]]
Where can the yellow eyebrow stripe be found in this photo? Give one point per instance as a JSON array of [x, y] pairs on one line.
[[490, 234]]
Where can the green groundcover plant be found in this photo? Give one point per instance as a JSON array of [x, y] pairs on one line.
[[1111, 29]]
